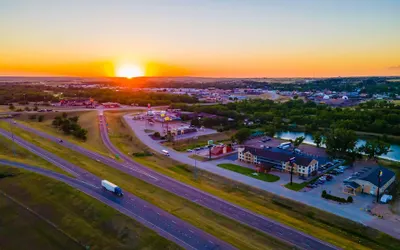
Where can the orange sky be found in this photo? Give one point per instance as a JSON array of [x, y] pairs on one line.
[[305, 38]]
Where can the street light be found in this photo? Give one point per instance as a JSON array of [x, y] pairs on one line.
[[379, 184], [195, 161], [291, 162]]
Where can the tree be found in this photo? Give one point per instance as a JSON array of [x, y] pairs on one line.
[[298, 141], [375, 148], [340, 142], [11, 106], [317, 136], [27, 109], [40, 118], [170, 137], [242, 135], [74, 119], [350, 199], [35, 108], [156, 134], [270, 130]]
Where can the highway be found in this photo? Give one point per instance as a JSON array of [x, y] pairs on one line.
[[266, 225], [165, 224]]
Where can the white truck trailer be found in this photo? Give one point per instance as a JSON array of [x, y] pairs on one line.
[[111, 187]]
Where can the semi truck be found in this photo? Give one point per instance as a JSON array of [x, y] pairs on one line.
[[111, 187]]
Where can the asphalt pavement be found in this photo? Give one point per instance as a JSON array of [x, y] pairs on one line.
[[165, 224], [266, 225]]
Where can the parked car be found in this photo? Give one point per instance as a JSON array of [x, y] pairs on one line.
[[189, 150], [329, 177], [347, 180]]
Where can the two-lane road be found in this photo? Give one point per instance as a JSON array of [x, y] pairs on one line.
[[266, 225], [165, 224]]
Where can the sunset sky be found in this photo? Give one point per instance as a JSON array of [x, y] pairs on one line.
[[221, 38]]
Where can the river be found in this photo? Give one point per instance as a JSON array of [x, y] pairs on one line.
[[393, 155]]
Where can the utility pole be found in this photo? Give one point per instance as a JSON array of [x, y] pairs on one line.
[[291, 162], [379, 185], [195, 161], [12, 138]]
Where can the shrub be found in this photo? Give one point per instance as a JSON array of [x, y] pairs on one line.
[[327, 196], [156, 134], [142, 154], [350, 199]]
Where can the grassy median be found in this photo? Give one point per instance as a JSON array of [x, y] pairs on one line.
[[239, 235], [87, 120], [249, 172], [74, 220], [13, 152], [323, 225]]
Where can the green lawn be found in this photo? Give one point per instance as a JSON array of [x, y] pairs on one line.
[[190, 143], [249, 172], [220, 226], [296, 186], [326, 226], [79, 219]]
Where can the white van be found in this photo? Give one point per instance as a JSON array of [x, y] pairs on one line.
[[165, 152]]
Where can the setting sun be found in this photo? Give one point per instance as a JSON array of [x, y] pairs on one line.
[[129, 71]]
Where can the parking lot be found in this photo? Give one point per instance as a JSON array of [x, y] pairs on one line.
[[162, 128], [335, 187]]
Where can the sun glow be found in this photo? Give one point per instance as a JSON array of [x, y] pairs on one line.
[[129, 71]]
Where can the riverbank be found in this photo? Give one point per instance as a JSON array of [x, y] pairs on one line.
[[393, 155]]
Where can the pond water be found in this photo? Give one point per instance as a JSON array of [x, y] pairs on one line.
[[393, 155]]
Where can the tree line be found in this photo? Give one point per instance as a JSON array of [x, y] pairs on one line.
[[23, 94], [381, 117]]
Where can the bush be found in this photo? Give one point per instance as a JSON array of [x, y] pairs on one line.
[[142, 154], [350, 199], [40, 118], [327, 196], [157, 134]]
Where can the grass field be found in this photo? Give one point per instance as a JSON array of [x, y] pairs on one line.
[[87, 120], [334, 229], [13, 152], [226, 229], [79, 220], [183, 145], [249, 172]]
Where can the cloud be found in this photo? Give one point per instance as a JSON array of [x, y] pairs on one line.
[[394, 67]]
